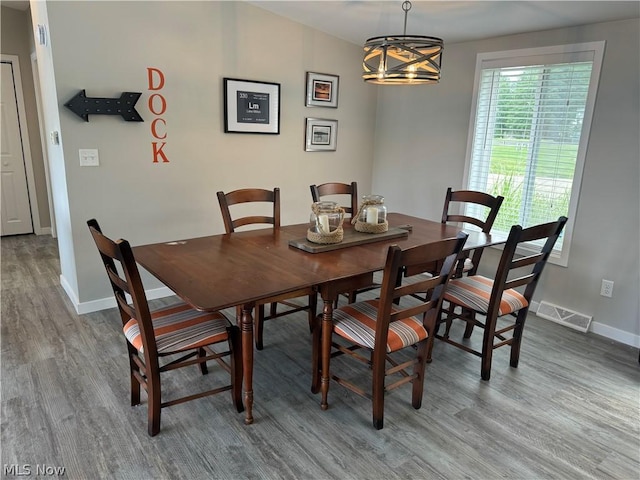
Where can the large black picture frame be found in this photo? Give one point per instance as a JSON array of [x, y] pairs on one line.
[[251, 106]]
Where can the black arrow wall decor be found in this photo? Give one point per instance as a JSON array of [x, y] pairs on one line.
[[84, 106]]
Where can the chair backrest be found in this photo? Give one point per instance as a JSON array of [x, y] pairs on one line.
[[399, 296], [119, 253], [247, 195], [456, 213], [529, 266], [462, 197], [336, 188]]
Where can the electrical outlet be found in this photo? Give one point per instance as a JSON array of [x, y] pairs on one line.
[[89, 157], [606, 290]]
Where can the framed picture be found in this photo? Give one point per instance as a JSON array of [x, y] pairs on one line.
[[320, 135], [251, 106], [322, 90]]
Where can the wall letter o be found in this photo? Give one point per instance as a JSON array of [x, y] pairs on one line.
[[163, 104]]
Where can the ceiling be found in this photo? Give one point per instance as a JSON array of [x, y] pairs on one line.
[[16, 4], [453, 21]]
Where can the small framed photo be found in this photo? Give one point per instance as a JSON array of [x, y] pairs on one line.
[[322, 90], [251, 106], [320, 135]]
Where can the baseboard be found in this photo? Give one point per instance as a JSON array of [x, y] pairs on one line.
[[69, 291], [104, 303], [110, 302], [604, 330], [615, 334], [43, 231]]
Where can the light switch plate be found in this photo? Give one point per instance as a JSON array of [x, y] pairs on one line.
[[89, 157]]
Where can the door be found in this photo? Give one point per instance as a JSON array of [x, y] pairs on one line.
[[14, 195]]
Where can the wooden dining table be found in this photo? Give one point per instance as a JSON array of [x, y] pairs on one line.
[[239, 269]]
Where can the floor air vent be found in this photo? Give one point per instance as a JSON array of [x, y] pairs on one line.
[[578, 321]]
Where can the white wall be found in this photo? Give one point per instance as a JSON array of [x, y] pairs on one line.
[[433, 138], [106, 48], [55, 153], [15, 36]]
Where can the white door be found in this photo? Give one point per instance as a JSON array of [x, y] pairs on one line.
[[15, 208]]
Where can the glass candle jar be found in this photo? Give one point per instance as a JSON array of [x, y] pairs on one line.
[[374, 210], [325, 217], [325, 223], [373, 215]]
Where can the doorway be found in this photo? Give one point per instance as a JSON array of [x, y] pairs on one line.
[[19, 210]]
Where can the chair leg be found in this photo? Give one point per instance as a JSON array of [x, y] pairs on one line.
[[487, 348], [517, 337], [154, 401], [432, 324], [313, 307], [235, 345], [135, 385], [378, 393], [258, 326], [430, 342], [316, 345], [469, 316], [419, 371], [203, 365], [351, 296], [448, 319]]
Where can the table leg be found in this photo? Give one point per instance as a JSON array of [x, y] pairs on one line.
[[246, 328], [325, 355]]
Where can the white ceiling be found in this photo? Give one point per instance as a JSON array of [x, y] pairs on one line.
[[453, 21], [15, 4]]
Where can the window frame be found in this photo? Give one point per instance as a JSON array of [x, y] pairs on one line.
[[544, 55]]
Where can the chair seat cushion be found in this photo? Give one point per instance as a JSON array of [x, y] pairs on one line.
[[474, 293], [357, 322], [179, 327]]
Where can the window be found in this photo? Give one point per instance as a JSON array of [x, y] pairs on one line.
[[531, 120]]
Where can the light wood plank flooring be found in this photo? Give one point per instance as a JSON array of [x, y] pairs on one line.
[[570, 411]]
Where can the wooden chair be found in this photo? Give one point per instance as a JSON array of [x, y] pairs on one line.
[[176, 330], [335, 188], [251, 195], [351, 207], [474, 295], [487, 207], [454, 202], [382, 327]]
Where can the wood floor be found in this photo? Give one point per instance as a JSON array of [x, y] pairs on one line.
[[570, 411]]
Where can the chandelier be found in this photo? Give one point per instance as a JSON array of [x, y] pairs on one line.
[[402, 59]]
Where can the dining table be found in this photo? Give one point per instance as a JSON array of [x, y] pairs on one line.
[[239, 269]]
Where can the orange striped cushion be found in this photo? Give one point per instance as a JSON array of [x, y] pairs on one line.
[[180, 327], [357, 322], [474, 292]]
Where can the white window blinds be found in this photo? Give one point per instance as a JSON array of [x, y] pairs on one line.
[[531, 124]]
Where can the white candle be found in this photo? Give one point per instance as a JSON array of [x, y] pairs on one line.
[[323, 223], [372, 215]]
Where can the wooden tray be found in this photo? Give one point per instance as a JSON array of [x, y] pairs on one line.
[[351, 239]]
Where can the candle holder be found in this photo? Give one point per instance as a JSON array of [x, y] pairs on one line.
[[325, 223], [372, 215]]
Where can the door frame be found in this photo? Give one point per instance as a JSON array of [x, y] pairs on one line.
[[43, 141], [26, 146]]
